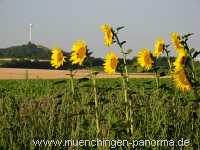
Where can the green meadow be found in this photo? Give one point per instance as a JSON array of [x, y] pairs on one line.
[[32, 110]]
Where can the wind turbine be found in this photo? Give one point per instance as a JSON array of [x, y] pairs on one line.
[[30, 32]]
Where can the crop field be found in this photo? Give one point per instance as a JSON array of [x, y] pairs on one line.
[[36, 110], [15, 73]]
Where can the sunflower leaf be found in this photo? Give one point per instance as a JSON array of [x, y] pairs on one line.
[[89, 53], [187, 35], [192, 50], [129, 51], [123, 42], [196, 54], [166, 46], [119, 28]]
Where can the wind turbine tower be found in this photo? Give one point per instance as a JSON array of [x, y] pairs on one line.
[[30, 32]]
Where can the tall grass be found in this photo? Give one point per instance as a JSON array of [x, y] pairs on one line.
[[45, 109]]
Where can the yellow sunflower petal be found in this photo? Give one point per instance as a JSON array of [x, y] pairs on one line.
[[79, 52], [159, 47], [180, 60], [57, 58], [108, 34], [181, 80], [177, 41], [110, 63], [145, 59]]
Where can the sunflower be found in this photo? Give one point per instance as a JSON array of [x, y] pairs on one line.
[[177, 41], [180, 60], [110, 62], [145, 59], [108, 34], [181, 80], [79, 52], [57, 58], [159, 47]]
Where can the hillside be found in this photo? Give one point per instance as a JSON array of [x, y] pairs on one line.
[[30, 50]]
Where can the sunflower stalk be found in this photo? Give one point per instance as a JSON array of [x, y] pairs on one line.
[[96, 103], [157, 80], [124, 55], [156, 73], [192, 59], [72, 80], [125, 97], [124, 78], [93, 79], [131, 118], [168, 59], [193, 70]]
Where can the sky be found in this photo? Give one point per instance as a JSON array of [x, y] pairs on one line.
[[59, 23]]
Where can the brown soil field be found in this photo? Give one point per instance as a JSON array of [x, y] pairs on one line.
[[13, 73]]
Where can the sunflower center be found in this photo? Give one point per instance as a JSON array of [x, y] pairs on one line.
[[178, 42], [147, 59], [160, 47], [81, 53], [59, 56], [182, 59], [113, 63]]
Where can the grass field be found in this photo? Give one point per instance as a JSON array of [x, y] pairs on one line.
[[47, 110]]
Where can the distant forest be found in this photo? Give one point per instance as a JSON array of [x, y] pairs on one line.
[[30, 51]]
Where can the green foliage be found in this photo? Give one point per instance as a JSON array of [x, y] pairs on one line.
[[45, 109], [30, 51]]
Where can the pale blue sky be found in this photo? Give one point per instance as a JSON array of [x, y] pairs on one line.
[[60, 22]]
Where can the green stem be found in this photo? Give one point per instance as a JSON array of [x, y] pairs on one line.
[[193, 69], [96, 104], [156, 76], [125, 64], [157, 80], [131, 117], [194, 76], [124, 56], [125, 97], [72, 81], [168, 59], [192, 60], [124, 79]]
